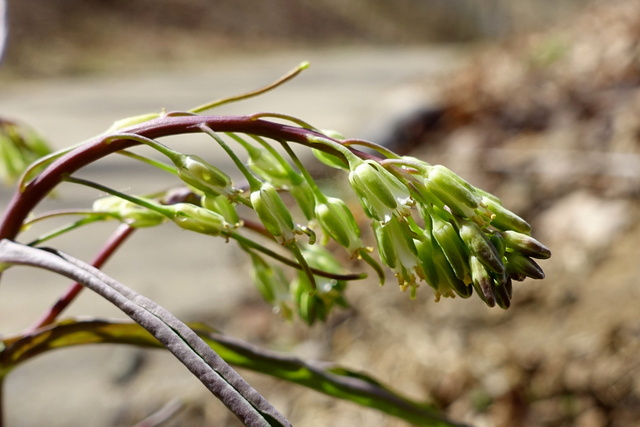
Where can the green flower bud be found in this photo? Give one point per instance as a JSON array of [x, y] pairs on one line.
[[452, 246], [482, 281], [268, 167], [330, 160], [448, 283], [199, 174], [503, 294], [382, 195], [519, 264], [426, 257], [504, 219], [198, 219], [129, 213], [272, 284], [273, 213], [222, 205], [317, 304], [338, 222], [397, 250], [453, 191], [525, 244], [480, 245], [301, 191]]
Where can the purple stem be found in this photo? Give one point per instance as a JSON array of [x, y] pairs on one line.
[[23, 202]]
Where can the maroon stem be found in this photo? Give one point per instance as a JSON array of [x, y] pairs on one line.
[[114, 242], [24, 201]]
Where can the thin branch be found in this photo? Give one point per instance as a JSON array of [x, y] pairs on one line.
[[115, 241]]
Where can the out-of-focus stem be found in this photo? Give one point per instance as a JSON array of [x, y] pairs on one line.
[[114, 242]]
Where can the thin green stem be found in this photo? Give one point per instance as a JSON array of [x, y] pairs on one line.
[[137, 200], [249, 245], [318, 194], [290, 75], [293, 247], [152, 162], [67, 228], [254, 183], [115, 241]]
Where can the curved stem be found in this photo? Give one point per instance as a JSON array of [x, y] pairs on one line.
[[33, 192]]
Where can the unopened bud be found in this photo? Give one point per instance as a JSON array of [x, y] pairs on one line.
[[198, 219], [382, 195], [519, 264], [199, 174], [338, 222], [273, 213], [526, 245], [480, 246]]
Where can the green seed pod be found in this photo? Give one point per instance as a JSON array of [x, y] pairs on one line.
[[199, 174], [198, 219], [382, 195], [526, 245], [519, 264], [273, 213], [480, 245], [338, 222], [504, 219]]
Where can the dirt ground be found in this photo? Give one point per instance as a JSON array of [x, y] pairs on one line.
[[550, 124]]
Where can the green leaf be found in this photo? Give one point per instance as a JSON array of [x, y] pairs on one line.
[[332, 380]]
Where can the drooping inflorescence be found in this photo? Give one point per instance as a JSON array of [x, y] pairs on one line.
[[428, 225]]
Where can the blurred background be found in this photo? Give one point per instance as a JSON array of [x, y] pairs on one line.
[[536, 101]]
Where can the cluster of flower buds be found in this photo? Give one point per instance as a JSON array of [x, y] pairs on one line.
[[432, 225]]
